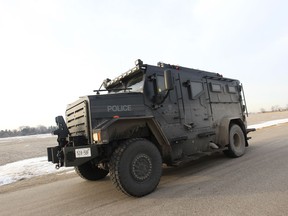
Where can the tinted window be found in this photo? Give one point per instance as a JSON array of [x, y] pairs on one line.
[[196, 88], [160, 84], [231, 89], [215, 87]]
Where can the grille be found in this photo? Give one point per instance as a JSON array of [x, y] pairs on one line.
[[76, 118]]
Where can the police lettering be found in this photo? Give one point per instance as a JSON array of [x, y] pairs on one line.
[[119, 108]]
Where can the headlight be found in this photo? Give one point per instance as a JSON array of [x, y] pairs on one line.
[[97, 136]]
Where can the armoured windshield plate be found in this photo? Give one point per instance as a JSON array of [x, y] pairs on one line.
[[124, 75]]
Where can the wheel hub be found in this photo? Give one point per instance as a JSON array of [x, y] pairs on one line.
[[236, 140], [141, 167]]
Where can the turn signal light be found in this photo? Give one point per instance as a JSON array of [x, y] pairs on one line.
[[97, 136]]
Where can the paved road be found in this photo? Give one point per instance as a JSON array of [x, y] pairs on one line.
[[255, 184]]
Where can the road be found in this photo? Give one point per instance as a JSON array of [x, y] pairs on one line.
[[255, 184]]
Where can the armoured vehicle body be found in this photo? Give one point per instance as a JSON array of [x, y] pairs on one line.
[[149, 116]]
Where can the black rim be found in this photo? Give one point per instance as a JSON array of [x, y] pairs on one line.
[[141, 167], [237, 140]]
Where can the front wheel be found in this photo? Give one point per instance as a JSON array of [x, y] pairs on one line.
[[136, 167], [237, 142]]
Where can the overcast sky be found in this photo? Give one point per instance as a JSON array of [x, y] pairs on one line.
[[52, 52]]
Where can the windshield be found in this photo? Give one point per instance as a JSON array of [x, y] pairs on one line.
[[136, 83], [129, 84]]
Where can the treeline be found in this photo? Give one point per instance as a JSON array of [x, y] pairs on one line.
[[275, 108], [26, 130]]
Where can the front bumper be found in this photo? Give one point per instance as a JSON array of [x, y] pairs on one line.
[[72, 156]]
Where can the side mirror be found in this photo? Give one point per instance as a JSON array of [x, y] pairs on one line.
[[168, 80]]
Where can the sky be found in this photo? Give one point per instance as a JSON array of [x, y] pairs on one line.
[[52, 52]]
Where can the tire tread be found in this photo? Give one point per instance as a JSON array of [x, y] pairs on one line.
[[114, 166]]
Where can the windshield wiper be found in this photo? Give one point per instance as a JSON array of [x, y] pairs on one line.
[[109, 90], [104, 83]]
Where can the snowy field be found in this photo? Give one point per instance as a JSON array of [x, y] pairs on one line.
[[28, 168], [268, 123], [19, 138], [38, 166]]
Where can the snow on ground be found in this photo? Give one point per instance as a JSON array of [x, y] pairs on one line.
[[268, 123], [17, 138], [29, 168], [25, 169]]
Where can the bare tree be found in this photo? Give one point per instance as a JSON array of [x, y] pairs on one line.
[[275, 108]]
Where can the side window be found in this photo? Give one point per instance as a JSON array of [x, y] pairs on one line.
[[215, 87], [195, 89], [160, 83], [231, 89]]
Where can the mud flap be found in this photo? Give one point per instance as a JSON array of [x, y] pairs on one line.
[[52, 153]]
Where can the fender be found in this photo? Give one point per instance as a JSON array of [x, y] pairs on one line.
[[131, 127], [222, 131]]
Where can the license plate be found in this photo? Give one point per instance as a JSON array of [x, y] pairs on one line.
[[83, 152]]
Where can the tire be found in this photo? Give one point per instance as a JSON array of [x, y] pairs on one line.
[[237, 142], [91, 171], [136, 167]]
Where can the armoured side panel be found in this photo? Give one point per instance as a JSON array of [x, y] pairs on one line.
[[225, 99]]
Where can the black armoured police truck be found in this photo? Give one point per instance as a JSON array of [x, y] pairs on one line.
[[149, 116]]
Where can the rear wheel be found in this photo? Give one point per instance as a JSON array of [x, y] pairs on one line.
[[91, 171], [136, 167], [236, 147]]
